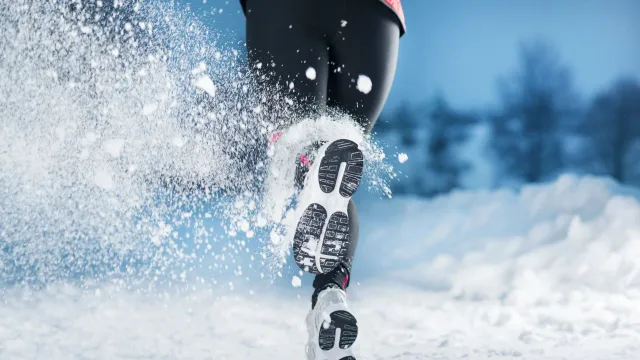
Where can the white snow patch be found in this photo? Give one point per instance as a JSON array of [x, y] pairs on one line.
[[113, 147], [364, 84], [202, 67], [103, 179], [311, 73], [205, 84], [149, 109]]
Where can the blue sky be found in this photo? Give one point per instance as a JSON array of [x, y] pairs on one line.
[[460, 47]]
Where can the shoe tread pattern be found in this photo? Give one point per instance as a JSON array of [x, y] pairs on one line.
[[346, 323]]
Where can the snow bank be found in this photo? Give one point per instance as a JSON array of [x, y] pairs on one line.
[[550, 272], [576, 233]]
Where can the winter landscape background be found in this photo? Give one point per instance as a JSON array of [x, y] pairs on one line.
[[513, 230]]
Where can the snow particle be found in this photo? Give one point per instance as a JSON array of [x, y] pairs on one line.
[[103, 179], [149, 109], [311, 73], [343, 23], [364, 84], [113, 147], [296, 281], [275, 238], [205, 84], [402, 157], [202, 67]]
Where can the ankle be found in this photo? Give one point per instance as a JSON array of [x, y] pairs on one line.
[[336, 279]]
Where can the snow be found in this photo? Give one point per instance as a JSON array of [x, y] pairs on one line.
[[122, 266], [103, 179], [311, 73], [149, 109], [402, 158], [113, 147], [205, 84], [202, 67], [550, 272], [364, 84]]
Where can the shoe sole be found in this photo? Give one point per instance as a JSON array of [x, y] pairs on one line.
[[321, 239], [344, 327]]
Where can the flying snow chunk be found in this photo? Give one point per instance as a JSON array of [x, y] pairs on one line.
[[149, 109], [202, 67], [205, 84], [178, 141], [296, 281], [402, 157], [275, 238], [103, 179], [113, 147], [364, 84], [311, 73], [343, 23]]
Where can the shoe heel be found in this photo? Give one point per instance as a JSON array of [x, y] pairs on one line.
[[338, 152], [322, 235]]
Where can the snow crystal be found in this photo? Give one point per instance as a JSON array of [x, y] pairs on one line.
[[311, 73], [402, 158], [296, 281], [364, 84]]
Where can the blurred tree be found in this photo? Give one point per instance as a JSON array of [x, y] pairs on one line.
[[611, 128], [403, 122], [432, 134], [400, 130], [538, 102], [447, 131]]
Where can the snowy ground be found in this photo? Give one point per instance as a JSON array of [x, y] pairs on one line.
[[551, 272]]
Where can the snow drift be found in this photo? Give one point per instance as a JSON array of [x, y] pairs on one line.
[[549, 272]]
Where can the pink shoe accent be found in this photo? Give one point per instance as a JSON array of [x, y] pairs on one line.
[[345, 282], [275, 136], [305, 160]]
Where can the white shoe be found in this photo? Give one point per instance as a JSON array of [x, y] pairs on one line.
[[332, 328], [322, 236]]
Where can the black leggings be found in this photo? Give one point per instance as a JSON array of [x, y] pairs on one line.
[[340, 40]]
